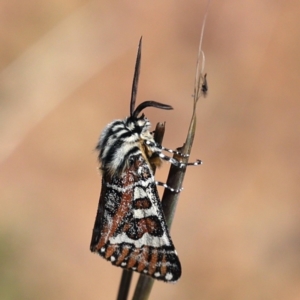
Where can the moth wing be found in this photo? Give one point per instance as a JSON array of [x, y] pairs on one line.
[[130, 229]]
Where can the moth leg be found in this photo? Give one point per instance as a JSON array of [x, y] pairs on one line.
[[174, 151], [177, 163], [159, 148], [168, 187]]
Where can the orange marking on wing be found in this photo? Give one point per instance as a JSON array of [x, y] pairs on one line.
[[142, 204], [125, 205], [142, 228], [152, 263], [110, 250], [123, 255], [143, 262], [149, 225], [121, 212], [163, 269], [100, 245], [104, 238], [133, 258]]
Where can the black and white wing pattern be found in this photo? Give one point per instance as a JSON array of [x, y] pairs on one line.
[[130, 230]]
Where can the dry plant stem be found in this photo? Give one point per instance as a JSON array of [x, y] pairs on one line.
[[145, 283], [175, 180], [143, 288], [124, 284], [176, 175]]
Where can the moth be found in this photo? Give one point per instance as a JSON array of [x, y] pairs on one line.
[[130, 229]]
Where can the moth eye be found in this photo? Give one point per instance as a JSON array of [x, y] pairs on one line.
[[131, 161]]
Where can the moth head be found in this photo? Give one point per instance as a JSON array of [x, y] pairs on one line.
[[142, 124]]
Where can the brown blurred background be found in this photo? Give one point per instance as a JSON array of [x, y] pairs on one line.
[[66, 71]]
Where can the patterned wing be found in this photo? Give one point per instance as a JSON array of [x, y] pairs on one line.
[[130, 229]]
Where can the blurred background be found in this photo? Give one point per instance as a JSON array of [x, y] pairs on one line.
[[66, 70]]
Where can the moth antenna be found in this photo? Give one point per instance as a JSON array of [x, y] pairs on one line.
[[136, 77], [145, 104]]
